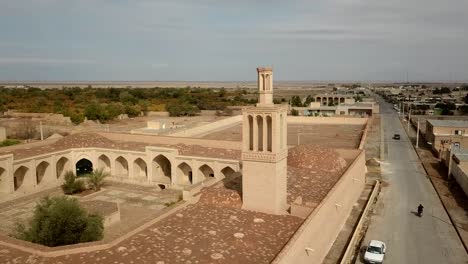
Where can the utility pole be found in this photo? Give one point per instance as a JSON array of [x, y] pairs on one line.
[[450, 162], [409, 118], [417, 136], [42, 133]]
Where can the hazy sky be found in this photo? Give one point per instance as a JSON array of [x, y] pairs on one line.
[[224, 40]]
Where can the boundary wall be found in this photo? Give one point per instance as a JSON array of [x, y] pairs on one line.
[[172, 140], [313, 240], [366, 131], [328, 120], [232, 121]]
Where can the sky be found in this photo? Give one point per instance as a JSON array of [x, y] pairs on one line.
[[225, 40]]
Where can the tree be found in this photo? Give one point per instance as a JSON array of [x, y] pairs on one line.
[[96, 179], [296, 101], [94, 111], [182, 109], [61, 221], [294, 112], [309, 99], [464, 109]]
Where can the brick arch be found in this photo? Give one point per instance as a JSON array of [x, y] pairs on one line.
[[205, 172], [162, 169], [19, 176], [140, 169], [121, 167], [62, 166], [184, 174], [42, 170], [104, 163]]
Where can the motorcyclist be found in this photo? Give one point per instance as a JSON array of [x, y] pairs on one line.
[[420, 209]]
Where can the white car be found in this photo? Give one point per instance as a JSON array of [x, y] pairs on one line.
[[375, 252]]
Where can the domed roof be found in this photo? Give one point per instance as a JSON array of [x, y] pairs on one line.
[[84, 140], [316, 158]]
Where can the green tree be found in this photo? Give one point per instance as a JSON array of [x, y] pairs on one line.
[[309, 99], [94, 111], [132, 110], [60, 221], [96, 179], [182, 109], [296, 101], [464, 109], [294, 112]]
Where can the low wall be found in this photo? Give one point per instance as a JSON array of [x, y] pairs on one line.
[[171, 140], [157, 114], [364, 135], [55, 118], [208, 128], [327, 120], [312, 241]]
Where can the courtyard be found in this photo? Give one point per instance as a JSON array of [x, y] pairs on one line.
[[333, 136], [137, 205]]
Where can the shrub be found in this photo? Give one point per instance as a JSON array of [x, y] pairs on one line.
[[71, 184], [294, 112], [60, 221], [9, 142], [96, 179]]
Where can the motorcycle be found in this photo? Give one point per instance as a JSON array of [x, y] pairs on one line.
[[420, 210]]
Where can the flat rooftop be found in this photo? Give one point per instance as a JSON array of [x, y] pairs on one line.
[[448, 123]]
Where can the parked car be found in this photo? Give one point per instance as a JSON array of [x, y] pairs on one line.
[[375, 252], [396, 136]]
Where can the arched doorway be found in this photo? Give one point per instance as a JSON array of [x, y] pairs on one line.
[[184, 174], [43, 169], [205, 172], [62, 166], [140, 169], [83, 166], [162, 169], [19, 176]]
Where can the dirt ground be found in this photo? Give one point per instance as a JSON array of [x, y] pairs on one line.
[[333, 136], [372, 148]]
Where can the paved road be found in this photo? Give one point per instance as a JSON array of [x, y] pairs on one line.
[[410, 239]]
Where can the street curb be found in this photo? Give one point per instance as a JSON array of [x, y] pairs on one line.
[[438, 194]]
